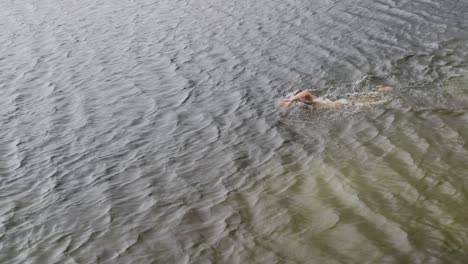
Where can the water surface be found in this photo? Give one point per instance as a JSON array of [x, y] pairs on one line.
[[150, 132]]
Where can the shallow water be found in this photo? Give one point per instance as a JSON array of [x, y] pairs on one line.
[[150, 132]]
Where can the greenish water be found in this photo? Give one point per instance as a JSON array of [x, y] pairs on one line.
[[379, 186]]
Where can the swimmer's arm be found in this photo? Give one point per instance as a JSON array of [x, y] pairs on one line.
[[285, 103], [304, 95]]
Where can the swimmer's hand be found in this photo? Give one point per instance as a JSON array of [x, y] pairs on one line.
[[285, 103]]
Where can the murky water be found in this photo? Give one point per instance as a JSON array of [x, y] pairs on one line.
[[150, 132]]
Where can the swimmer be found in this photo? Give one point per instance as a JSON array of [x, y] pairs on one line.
[[308, 98], [369, 100], [299, 96]]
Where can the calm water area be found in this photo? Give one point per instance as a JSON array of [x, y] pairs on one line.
[[149, 131]]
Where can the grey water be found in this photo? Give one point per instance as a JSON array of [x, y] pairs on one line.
[[150, 132]]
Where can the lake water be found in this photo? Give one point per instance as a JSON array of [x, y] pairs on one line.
[[150, 132]]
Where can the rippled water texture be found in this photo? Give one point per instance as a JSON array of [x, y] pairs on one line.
[[150, 132]]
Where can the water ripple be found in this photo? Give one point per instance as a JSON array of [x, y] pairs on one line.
[[143, 132]]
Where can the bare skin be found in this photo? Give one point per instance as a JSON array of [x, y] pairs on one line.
[[362, 101], [303, 96]]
